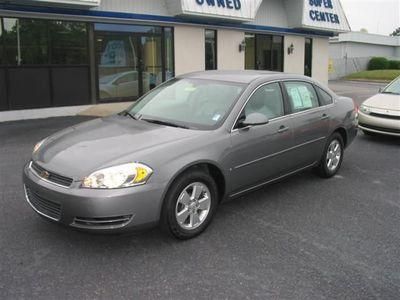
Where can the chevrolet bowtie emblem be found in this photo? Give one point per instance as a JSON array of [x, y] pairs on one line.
[[45, 174]]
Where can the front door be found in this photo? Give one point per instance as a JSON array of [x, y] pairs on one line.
[[260, 153]]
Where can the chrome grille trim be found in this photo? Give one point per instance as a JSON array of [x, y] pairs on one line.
[[54, 178]]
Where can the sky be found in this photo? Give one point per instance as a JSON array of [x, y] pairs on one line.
[[377, 16]]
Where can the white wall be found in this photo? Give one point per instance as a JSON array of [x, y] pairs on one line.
[[189, 49], [228, 55], [294, 63], [320, 59]]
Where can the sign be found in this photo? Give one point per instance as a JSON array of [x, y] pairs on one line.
[[239, 10], [324, 15], [87, 3]]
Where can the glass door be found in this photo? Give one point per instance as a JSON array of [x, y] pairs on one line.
[[151, 69], [118, 60]]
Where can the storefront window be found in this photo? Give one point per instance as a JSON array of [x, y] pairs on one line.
[[277, 53], [169, 53], [211, 49], [69, 43], [264, 52], [38, 42], [132, 60], [250, 54], [308, 57], [1, 42]]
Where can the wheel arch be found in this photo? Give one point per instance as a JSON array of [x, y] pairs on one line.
[[211, 168], [343, 134]]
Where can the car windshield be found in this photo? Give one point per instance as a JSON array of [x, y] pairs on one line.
[[393, 88], [192, 103]]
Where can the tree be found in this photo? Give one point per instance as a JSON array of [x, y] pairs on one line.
[[364, 30], [396, 32]]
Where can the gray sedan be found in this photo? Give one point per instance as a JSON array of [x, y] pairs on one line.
[[186, 146]]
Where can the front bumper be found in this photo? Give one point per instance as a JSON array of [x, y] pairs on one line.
[[96, 210], [387, 126]]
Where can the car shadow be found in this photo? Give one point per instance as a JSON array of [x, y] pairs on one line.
[[380, 138]]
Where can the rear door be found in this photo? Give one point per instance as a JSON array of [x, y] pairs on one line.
[[310, 122]]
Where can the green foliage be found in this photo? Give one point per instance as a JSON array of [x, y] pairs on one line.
[[396, 32], [386, 75], [378, 63], [394, 65]]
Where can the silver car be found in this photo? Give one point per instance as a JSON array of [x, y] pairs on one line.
[[380, 114], [186, 146]]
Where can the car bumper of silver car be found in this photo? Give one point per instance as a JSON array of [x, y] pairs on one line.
[[94, 210], [388, 125]]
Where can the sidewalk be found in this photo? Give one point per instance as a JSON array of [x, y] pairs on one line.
[[98, 110]]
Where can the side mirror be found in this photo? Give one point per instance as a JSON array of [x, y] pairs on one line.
[[253, 119], [380, 90]]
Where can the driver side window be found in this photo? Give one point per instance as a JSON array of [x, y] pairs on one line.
[[267, 100]]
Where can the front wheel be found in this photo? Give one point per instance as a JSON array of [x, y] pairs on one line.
[[332, 157], [189, 205]]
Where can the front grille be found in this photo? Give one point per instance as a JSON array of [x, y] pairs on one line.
[[43, 206], [390, 130], [385, 116], [107, 222], [50, 176]]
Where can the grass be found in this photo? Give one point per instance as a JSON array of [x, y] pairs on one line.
[[387, 75]]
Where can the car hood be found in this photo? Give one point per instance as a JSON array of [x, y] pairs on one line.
[[79, 150], [384, 101]]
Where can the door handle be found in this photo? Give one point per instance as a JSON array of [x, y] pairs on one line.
[[283, 129], [324, 117]]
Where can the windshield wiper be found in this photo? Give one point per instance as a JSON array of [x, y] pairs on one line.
[[393, 93], [127, 113], [165, 123]]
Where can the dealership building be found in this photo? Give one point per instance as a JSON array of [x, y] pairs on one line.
[[57, 53]]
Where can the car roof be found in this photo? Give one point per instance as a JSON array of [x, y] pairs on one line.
[[242, 76]]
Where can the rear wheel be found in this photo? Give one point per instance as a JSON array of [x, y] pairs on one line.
[[189, 205], [332, 158]]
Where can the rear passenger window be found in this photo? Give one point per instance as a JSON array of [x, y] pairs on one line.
[[302, 96], [324, 97]]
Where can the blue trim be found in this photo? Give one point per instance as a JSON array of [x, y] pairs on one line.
[[156, 18]]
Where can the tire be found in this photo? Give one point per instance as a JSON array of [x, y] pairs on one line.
[[330, 162], [180, 201]]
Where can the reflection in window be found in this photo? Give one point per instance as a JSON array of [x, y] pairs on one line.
[[169, 53], [118, 65], [68, 42], [152, 62], [211, 49], [38, 42], [1, 41]]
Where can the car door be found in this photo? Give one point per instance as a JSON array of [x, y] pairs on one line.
[[310, 122], [259, 153]]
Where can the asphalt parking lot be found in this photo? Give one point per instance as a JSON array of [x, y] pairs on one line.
[[305, 238]]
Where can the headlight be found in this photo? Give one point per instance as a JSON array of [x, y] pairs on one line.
[[121, 176], [365, 109], [37, 146]]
